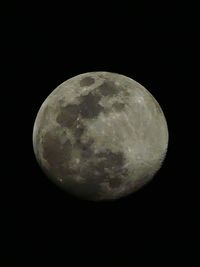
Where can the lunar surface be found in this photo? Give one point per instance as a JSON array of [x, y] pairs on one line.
[[100, 136]]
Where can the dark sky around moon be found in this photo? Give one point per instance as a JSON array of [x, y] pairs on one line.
[[154, 47]]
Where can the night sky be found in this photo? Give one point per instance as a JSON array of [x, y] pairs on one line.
[[44, 46]]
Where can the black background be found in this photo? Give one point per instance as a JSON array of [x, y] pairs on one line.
[[44, 46]]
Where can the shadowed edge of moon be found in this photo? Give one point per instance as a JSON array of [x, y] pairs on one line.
[[103, 167]]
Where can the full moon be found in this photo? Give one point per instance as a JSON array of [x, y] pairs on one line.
[[100, 136]]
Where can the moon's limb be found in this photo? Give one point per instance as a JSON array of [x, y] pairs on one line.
[[100, 136]]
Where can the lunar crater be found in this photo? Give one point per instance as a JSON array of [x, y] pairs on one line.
[[108, 88], [68, 115], [89, 106], [119, 106], [87, 81]]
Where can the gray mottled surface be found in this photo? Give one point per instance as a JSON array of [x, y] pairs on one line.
[[100, 136]]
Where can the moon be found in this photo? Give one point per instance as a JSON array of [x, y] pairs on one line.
[[100, 136]]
